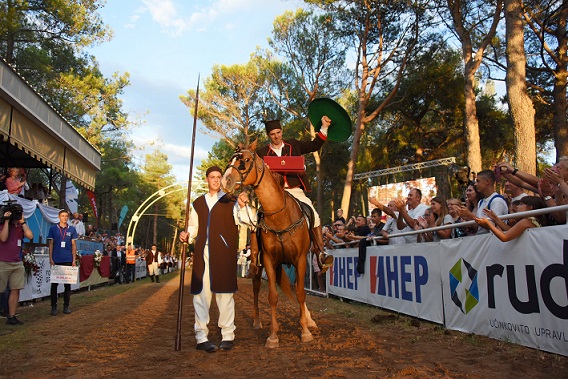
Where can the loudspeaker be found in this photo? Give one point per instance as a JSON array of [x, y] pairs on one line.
[[114, 226], [85, 218]]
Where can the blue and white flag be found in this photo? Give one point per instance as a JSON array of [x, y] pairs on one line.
[[72, 197]]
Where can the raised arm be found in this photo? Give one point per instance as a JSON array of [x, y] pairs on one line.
[[509, 235], [520, 178], [382, 207]]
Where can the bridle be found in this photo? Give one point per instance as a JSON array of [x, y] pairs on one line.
[[244, 172], [239, 155]]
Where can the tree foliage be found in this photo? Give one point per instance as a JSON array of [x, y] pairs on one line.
[[156, 175], [547, 68], [45, 41], [231, 105], [383, 35]]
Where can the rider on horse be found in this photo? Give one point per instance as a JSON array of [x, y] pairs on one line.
[[294, 183]]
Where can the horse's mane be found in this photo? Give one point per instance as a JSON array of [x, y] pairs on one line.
[[278, 178]]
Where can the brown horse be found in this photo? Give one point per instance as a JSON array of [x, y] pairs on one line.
[[284, 233]]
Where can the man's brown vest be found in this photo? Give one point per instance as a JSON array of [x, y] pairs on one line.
[[217, 229]]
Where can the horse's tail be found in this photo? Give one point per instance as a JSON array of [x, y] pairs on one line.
[[284, 282]]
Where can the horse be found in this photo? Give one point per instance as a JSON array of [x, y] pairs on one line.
[[285, 237]]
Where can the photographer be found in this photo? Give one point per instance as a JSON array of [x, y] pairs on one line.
[[12, 233]]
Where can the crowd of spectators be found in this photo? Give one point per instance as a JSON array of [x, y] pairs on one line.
[[15, 181], [482, 203], [119, 257]]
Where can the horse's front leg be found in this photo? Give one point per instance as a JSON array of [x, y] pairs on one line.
[[311, 322], [272, 340], [301, 295], [256, 283]]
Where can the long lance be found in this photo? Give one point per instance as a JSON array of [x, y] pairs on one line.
[[187, 211]]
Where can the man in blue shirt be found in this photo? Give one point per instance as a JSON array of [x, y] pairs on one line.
[[62, 239]]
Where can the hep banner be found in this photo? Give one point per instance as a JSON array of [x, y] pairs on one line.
[[405, 280]]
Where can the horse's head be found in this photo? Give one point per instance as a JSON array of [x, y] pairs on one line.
[[245, 168]]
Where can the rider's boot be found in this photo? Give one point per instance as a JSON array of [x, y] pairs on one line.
[[325, 260]]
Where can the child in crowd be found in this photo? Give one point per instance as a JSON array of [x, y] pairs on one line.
[[507, 233]]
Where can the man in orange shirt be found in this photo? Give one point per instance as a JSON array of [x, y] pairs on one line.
[[130, 264]]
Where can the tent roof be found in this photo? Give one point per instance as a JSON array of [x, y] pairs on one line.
[[33, 134]]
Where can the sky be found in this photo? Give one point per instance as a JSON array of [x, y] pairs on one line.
[[165, 45]]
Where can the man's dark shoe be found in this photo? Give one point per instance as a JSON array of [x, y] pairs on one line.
[[226, 345], [66, 310], [12, 320], [206, 346], [53, 311]]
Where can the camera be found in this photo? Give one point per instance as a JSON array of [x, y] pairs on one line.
[[14, 207]]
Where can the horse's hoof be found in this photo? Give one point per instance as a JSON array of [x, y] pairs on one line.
[[307, 337], [271, 343], [257, 325]]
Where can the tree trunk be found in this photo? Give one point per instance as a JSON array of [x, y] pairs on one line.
[[472, 60], [10, 35], [471, 123], [520, 104], [319, 179], [560, 103], [63, 192], [359, 128]]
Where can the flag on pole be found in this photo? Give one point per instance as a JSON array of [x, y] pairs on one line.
[[71, 197], [93, 201], [123, 213]]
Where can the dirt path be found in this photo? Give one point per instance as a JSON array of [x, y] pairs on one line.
[[353, 341]]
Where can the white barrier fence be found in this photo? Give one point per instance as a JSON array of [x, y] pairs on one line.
[[515, 291]]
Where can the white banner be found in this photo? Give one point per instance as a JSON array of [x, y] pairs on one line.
[[514, 291], [406, 280], [64, 274], [38, 285], [140, 269]]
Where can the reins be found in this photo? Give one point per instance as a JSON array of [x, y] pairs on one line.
[[291, 229]]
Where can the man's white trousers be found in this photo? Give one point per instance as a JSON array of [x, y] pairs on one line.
[[202, 303]]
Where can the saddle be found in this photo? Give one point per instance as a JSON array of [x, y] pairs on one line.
[[308, 215]]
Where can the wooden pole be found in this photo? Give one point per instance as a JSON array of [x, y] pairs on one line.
[[187, 211]]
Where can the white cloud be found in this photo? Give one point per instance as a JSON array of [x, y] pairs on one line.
[[133, 19], [169, 14], [165, 14]]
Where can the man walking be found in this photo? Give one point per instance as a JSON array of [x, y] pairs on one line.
[[152, 259], [213, 225]]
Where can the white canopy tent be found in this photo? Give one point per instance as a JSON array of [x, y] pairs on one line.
[[33, 134]]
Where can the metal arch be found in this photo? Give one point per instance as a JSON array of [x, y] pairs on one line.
[[163, 194], [136, 216], [410, 167], [147, 204]]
